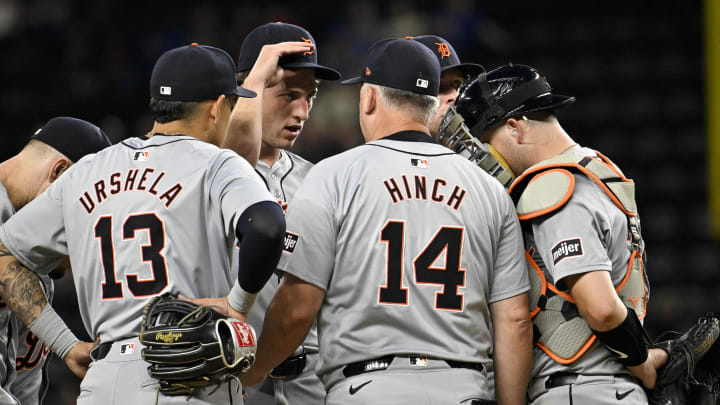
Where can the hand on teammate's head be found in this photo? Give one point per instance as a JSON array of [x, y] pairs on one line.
[[267, 68]]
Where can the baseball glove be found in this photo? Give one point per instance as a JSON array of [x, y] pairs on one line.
[[191, 347], [676, 380]]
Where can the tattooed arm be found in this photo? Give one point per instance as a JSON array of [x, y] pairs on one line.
[[22, 291], [20, 288]]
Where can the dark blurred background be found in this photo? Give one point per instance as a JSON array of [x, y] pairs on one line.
[[636, 68]]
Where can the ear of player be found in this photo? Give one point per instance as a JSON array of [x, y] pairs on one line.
[[190, 347]]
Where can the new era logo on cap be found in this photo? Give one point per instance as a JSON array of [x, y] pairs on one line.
[[422, 83], [166, 90]]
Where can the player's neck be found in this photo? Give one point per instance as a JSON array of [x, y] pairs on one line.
[[382, 131], [387, 122], [180, 127], [15, 180], [269, 155]]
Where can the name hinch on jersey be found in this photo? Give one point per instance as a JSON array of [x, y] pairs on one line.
[[567, 248], [417, 188], [130, 181]]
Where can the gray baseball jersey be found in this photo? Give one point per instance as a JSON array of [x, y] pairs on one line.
[[138, 219], [8, 341], [411, 244], [591, 219], [283, 180]]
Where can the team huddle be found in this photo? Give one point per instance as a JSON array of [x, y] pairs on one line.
[[469, 252]]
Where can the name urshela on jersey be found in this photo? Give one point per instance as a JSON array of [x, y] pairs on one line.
[[132, 180], [416, 187]]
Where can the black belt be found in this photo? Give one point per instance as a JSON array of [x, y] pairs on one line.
[[293, 366], [101, 351], [383, 363], [560, 379]]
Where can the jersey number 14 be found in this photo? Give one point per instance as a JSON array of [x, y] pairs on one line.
[[448, 240]]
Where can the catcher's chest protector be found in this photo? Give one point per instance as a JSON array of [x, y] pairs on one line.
[[544, 188]]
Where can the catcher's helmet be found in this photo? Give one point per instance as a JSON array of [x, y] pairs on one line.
[[505, 92]]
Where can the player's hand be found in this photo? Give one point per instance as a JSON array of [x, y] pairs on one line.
[[266, 68], [220, 305], [647, 372], [78, 358]]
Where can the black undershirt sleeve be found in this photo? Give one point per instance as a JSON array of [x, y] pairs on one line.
[[260, 230]]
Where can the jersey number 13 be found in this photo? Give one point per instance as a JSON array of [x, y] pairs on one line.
[[152, 253]]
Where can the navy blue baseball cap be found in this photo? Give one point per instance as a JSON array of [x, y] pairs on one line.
[[72, 137], [447, 56], [273, 33], [402, 64], [195, 73]]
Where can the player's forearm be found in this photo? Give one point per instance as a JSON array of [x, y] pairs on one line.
[[22, 291], [512, 349], [286, 323], [244, 134], [20, 288]]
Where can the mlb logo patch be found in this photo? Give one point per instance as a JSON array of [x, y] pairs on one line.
[[422, 83], [290, 241], [141, 156], [166, 90], [419, 361], [128, 348], [420, 163], [566, 248]]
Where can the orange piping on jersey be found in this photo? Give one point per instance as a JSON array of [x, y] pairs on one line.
[[560, 203], [563, 360], [543, 289], [582, 169]]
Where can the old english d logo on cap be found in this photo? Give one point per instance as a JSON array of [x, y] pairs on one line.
[[443, 49], [312, 50]]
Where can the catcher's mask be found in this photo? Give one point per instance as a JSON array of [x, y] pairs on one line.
[[504, 92]]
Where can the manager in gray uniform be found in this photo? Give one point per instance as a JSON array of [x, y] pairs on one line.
[[286, 106], [153, 214], [583, 243], [49, 153], [404, 251]]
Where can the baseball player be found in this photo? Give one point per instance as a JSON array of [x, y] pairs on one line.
[[154, 214], [49, 153], [286, 106], [404, 250], [453, 76], [583, 242]]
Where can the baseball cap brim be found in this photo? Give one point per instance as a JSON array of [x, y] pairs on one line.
[[242, 92], [321, 72], [354, 80], [467, 69]]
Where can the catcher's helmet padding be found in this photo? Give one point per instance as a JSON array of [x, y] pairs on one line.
[[505, 92]]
